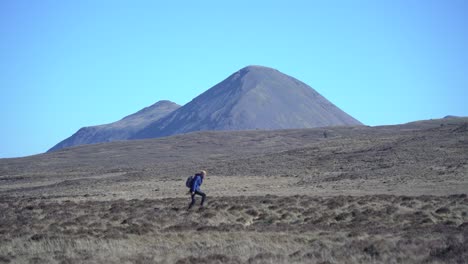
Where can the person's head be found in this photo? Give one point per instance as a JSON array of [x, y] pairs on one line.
[[202, 173]]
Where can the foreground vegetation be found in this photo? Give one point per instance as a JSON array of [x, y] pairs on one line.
[[266, 229], [392, 194]]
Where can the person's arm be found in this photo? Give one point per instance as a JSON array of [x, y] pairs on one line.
[[195, 184]]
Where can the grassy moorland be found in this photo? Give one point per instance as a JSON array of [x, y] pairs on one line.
[[244, 229], [395, 194]]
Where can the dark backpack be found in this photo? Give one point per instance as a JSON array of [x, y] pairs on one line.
[[189, 181]]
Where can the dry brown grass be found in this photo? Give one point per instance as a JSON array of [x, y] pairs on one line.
[[423, 158], [265, 229], [362, 195]]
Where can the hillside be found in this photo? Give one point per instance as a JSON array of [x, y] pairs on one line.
[[120, 130], [426, 150], [321, 195], [254, 97]]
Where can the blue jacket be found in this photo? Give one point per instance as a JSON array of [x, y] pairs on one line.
[[197, 181]]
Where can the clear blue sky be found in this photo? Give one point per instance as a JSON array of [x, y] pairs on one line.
[[69, 64]]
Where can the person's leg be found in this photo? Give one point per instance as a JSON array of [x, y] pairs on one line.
[[193, 201], [203, 195]]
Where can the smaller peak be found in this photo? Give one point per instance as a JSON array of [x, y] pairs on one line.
[[163, 102], [158, 105], [451, 116]]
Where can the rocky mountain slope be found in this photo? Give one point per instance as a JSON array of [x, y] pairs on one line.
[[254, 97], [119, 130]]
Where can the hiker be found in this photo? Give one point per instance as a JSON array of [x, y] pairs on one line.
[[195, 188]]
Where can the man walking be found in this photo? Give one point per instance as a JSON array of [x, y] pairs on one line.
[[195, 188]]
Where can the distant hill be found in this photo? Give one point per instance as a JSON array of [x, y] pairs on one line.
[[120, 130], [254, 97], [420, 148]]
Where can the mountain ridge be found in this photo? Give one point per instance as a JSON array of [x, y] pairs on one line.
[[119, 130], [255, 97]]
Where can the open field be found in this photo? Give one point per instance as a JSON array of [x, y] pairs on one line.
[[243, 229], [394, 194]]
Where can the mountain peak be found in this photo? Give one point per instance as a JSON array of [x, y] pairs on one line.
[[257, 67], [254, 97], [120, 130], [163, 104]]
